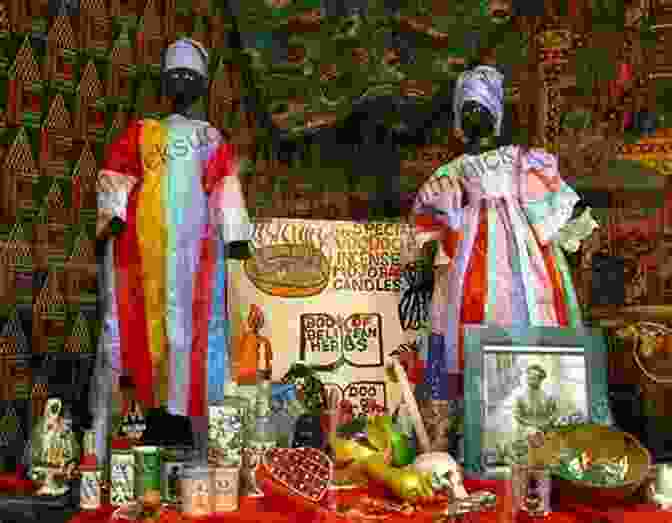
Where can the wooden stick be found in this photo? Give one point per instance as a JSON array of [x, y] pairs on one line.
[[407, 394]]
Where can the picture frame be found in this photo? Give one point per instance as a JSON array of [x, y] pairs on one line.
[[564, 351]]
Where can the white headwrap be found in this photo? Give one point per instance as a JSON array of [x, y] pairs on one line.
[[483, 84], [186, 53]]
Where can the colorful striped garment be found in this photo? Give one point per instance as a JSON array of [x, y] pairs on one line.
[[507, 205], [175, 184]]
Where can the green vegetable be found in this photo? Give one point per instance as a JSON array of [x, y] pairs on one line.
[[356, 425], [305, 380]]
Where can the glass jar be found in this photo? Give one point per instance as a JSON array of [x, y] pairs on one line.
[[532, 490], [147, 471], [285, 410], [122, 477], [173, 460], [90, 489], [226, 428]]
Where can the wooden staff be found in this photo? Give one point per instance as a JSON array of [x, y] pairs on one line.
[[407, 394]]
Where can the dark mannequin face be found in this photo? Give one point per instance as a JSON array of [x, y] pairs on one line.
[[477, 122], [184, 87]]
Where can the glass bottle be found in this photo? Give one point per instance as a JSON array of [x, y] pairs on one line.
[[132, 422], [263, 428], [262, 438], [226, 423], [286, 409]]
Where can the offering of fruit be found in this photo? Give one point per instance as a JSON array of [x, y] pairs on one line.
[[351, 450], [407, 483]]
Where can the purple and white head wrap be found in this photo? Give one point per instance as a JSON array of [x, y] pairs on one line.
[[483, 84], [186, 53]]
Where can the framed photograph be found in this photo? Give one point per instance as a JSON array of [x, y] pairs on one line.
[[521, 380]]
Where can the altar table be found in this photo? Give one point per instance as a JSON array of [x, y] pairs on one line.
[[256, 510]]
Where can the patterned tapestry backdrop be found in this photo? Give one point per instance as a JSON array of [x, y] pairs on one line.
[[69, 83]]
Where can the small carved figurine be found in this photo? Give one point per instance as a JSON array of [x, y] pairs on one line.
[[255, 352], [55, 451]]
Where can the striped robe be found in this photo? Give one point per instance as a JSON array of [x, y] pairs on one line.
[[503, 209], [175, 184]]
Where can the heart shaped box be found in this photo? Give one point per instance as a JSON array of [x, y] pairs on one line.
[[296, 479]]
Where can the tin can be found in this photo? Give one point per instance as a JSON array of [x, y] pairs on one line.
[[147, 471], [90, 489], [225, 482], [196, 491], [122, 476], [173, 460]]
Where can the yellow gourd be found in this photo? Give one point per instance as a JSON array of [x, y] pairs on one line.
[[348, 450], [407, 483]]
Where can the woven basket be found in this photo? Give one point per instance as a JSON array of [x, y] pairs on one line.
[[604, 443]]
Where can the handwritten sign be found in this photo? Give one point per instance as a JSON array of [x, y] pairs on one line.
[[329, 294], [364, 396], [356, 339]]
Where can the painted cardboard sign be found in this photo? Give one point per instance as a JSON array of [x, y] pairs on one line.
[[328, 292]]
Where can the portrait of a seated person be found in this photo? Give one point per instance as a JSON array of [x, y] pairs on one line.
[[534, 408]]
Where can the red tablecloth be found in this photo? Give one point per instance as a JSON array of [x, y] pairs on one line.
[[260, 510], [16, 482]]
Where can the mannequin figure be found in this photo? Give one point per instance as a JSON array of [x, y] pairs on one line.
[[496, 212], [171, 205]]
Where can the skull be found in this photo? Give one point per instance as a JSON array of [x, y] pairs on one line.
[[446, 473]]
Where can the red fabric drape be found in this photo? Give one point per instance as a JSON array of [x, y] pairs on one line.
[[559, 301], [131, 309], [272, 510], [123, 157], [475, 280], [221, 165], [203, 292]]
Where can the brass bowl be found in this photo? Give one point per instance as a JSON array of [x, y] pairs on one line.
[[604, 443], [289, 270]]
